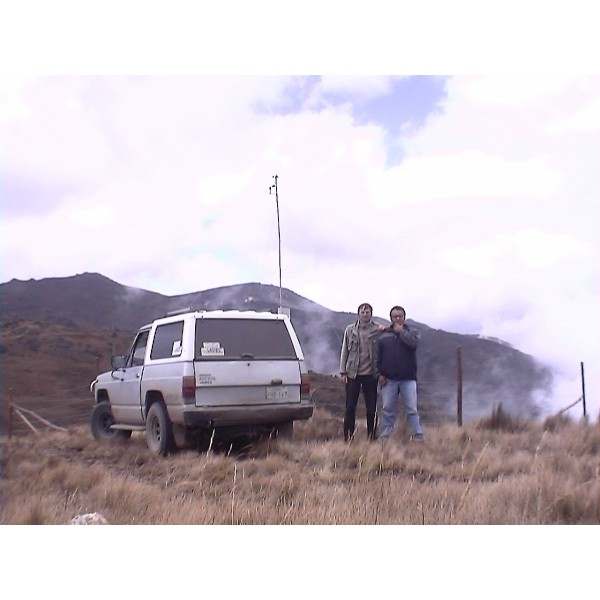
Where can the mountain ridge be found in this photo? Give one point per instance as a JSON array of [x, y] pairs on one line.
[[494, 372]]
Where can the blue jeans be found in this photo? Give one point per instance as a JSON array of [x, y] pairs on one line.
[[389, 399]]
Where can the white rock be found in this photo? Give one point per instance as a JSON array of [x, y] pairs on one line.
[[89, 519]]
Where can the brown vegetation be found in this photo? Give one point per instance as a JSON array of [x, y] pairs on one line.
[[496, 470], [489, 472]]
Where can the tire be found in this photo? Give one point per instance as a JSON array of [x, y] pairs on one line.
[[159, 430], [101, 422], [285, 431]]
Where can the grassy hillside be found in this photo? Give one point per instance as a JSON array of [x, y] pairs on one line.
[[91, 303], [48, 367], [495, 471]]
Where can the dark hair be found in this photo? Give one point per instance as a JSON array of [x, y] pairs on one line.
[[397, 308], [364, 305]]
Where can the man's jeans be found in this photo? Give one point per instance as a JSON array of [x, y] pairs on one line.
[[389, 398], [368, 383]]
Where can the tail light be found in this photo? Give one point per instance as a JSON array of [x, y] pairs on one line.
[[188, 388], [304, 386]]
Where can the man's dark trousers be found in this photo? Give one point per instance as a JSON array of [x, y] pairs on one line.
[[368, 384]]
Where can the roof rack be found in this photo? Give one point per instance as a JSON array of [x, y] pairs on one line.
[[179, 311]]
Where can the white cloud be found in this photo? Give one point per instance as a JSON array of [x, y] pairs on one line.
[[586, 119], [537, 249], [468, 174], [527, 249], [12, 105], [488, 225], [94, 216], [363, 87], [515, 92]]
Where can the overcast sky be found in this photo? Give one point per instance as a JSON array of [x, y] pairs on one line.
[[471, 201]]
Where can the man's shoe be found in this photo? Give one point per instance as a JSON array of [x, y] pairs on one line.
[[419, 437]]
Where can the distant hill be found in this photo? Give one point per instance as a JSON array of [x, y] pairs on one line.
[[104, 315]]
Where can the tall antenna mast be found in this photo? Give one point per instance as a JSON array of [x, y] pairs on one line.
[[275, 177]]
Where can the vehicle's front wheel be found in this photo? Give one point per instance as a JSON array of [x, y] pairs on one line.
[[101, 422], [159, 430]]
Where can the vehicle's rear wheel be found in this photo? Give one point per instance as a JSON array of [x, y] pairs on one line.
[[159, 430], [285, 431], [101, 422]]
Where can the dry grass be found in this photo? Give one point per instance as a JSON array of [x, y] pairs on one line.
[[490, 472]]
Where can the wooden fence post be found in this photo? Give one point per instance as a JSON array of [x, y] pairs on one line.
[[10, 412], [459, 384], [583, 389]]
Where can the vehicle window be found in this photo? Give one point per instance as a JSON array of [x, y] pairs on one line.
[[138, 350], [167, 341], [240, 339]]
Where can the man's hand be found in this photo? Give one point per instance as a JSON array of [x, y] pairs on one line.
[[382, 380], [344, 378]]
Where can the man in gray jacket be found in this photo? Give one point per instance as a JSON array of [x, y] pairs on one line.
[[357, 368]]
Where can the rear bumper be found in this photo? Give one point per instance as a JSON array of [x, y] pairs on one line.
[[222, 416]]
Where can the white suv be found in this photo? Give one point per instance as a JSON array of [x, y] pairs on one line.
[[191, 374]]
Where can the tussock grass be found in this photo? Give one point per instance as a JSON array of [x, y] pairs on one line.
[[500, 420], [495, 471]]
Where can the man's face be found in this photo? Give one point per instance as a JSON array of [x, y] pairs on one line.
[[397, 317], [364, 314]]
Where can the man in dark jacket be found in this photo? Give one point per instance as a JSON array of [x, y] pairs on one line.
[[397, 374]]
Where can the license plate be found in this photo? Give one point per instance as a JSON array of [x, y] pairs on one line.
[[277, 393]]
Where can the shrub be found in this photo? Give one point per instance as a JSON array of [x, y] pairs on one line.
[[500, 420]]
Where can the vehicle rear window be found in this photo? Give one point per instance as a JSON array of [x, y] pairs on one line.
[[241, 339]]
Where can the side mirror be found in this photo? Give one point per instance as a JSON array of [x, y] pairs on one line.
[[118, 361]]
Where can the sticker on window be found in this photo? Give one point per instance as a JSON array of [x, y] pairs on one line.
[[176, 351], [212, 349]]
